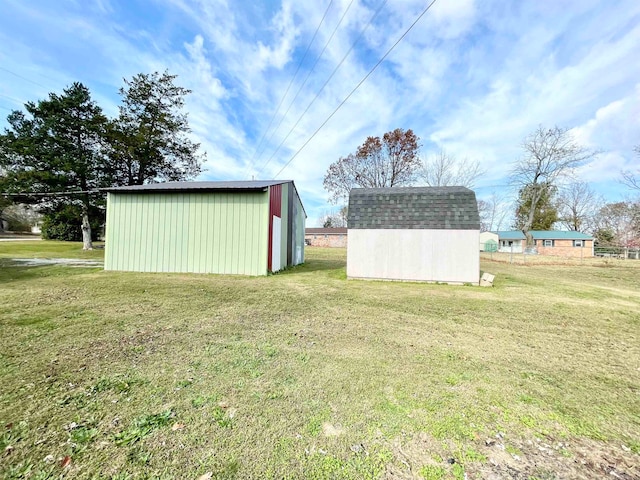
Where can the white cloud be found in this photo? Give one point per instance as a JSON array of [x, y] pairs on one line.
[[472, 77], [279, 54], [453, 18], [210, 86], [614, 130]]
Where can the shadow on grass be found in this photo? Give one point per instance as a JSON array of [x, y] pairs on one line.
[[12, 272], [322, 264], [316, 265]]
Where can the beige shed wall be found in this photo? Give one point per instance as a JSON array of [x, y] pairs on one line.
[[421, 255]]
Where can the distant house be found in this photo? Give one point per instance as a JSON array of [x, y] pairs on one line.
[[566, 244], [249, 227], [548, 242], [415, 233], [325, 237], [488, 242], [511, 241]]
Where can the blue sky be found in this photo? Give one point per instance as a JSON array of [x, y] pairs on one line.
[[473, 78]]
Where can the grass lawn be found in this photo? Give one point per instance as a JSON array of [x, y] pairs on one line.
[[307, 375]]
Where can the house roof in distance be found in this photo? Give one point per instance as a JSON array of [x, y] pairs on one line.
[[510, 235], [437, 208], [326, 231], [559, 235], [201, 186]]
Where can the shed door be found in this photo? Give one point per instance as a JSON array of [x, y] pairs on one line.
[[277, 241], [275, 214]]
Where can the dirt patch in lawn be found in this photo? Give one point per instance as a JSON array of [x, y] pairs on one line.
[[499, 458]]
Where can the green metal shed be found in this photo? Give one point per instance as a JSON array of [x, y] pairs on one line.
[[248, 228]]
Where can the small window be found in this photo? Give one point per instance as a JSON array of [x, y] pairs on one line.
[[326, 236], [315, 237], [548, 243], [578, 243]]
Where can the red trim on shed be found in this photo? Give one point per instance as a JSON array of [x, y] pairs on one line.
[[275, 209]]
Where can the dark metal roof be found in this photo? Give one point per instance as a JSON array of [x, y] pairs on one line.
[[184, 186], [325, 231], [451, 208]]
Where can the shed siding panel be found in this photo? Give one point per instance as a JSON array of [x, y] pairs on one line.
[[422, 255], [298, 231], [284, 215], [275, 210], [187, 232], [106, 233]]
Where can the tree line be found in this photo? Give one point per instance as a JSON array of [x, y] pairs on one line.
[[60, 151], [548, 194]]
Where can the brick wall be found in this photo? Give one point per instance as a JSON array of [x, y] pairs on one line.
[[326, 240], [565, 248]]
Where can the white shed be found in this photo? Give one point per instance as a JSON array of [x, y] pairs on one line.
[[414, 233], [489, 242]]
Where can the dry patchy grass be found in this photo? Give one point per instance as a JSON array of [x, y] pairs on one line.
[[307, 375]]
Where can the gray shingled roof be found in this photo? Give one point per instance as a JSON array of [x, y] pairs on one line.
[[182, 186], [451, 208]]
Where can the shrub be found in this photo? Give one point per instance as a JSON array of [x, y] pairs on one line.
[[65, 223]]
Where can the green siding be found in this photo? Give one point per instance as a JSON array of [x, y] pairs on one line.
[[187, 232]]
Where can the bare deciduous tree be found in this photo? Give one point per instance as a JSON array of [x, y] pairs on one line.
[[388, 162], [550, 156], [630, 178], [335, 219], [443, 170], [619, 224], [493, 211], [578, 203]]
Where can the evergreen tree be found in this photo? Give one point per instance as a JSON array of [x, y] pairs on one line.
[[149, 139], [545, 210], [57, 146]]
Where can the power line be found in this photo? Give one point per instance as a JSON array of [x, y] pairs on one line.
[[493, 186], [13, 99], [49, 194], [357, 86], [344, 14], [325, 84], [24, 78], [304, 56]]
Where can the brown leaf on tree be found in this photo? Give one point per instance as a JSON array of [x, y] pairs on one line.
[[66, 461], [390, 161]]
